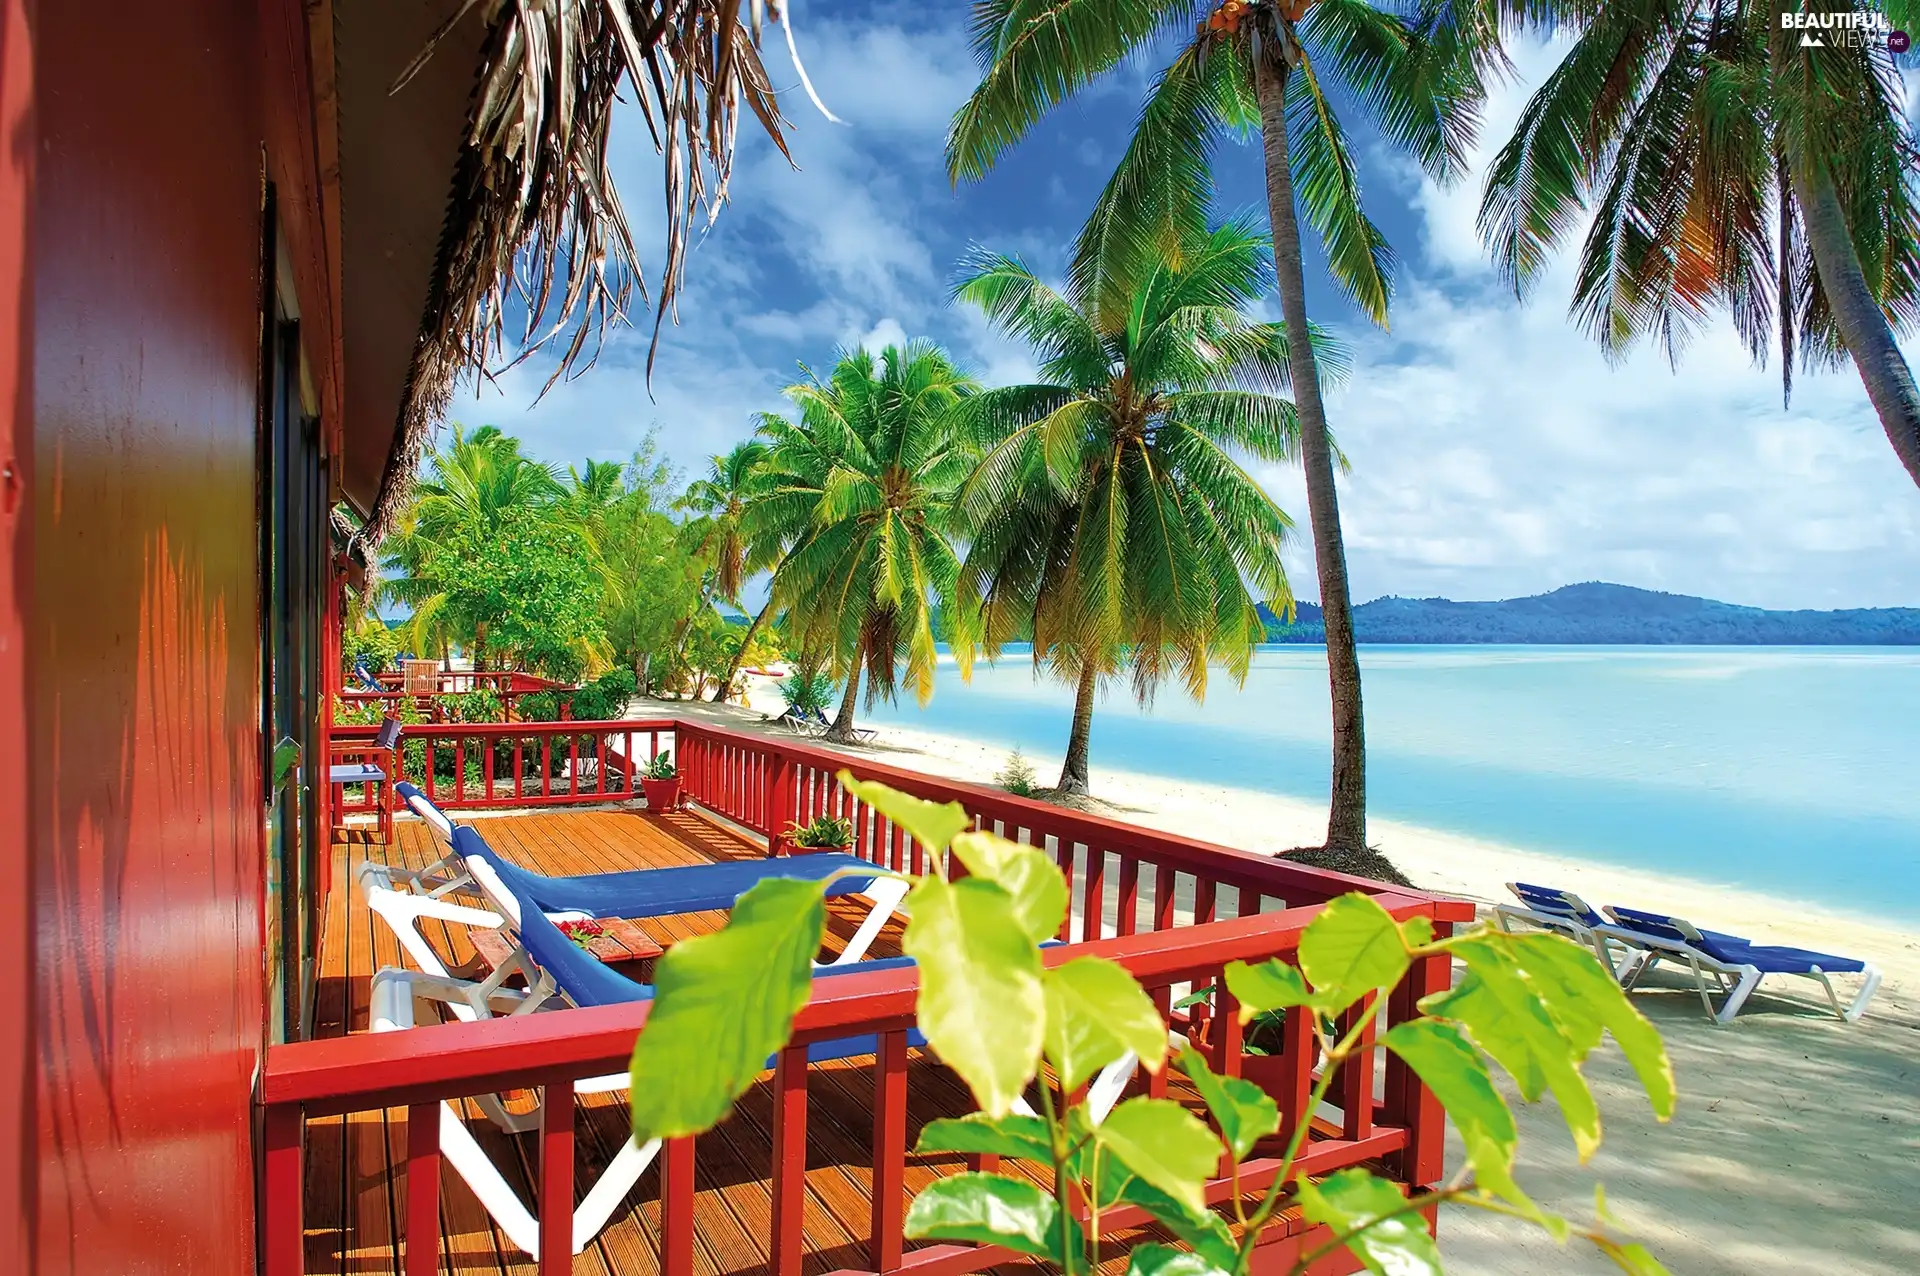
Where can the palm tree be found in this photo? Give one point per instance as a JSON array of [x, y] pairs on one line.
[[1733, 167], [873, 464], [1253, 65], [470, 486], [1108, 508]]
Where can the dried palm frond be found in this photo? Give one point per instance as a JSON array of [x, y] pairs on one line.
[[534, 225]]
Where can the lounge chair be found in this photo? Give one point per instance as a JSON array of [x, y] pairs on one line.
[[1736, 964], [1564, 913], [558, 974]]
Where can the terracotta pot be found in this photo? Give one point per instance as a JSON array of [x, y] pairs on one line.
[[662, 795], [794, 848]]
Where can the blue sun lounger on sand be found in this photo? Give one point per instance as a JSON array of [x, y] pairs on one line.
[[1737, 964], [1565, 913]]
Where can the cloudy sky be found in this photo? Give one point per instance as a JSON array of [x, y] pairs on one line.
[[1495, 452]]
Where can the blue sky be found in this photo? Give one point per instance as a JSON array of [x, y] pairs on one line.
[[1495, 452]]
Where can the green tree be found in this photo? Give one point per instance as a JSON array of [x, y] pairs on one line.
[[652, 579], [869, 472], [531, 586], [469, 491], [1254, 67], [1732, 167], [1109, 513]]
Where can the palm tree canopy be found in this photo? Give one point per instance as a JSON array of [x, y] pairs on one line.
[[864, 481], [1110, 506], [1677, 122], [1419, 71], [721, 499]]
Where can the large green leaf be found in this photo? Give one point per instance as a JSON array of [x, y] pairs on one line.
[[723, 1003], [1583, 998], [933, 824], [990, 1209], [1459, 1078], [1163, 1260], [1389, 1246], [1245, 1113], [1096, 1012], [1164, 1144], [981, 1003], [1505, 1016], [1013, 1135], [1272, 985], [1350, 949], [1038, 888], [1202, 1229]]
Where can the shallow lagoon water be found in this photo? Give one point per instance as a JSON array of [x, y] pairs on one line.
[[1789, 770]]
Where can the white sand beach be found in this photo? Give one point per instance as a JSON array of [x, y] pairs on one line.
[[1796, 1148]]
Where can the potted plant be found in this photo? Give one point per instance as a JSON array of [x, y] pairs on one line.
[[825, 833], [660, 781], [1262, 1043]]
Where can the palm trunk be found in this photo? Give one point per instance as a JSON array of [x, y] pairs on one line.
[[841, 732], [1863, 325], [733, 670], [1073, 772], [1347, 808]]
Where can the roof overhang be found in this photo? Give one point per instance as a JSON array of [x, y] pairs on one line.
[[397, 152]]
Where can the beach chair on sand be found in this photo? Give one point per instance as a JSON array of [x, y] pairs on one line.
[[1564, 913], [1736, 964]]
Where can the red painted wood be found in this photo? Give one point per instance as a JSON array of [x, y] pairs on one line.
[[884, 1240], [1128, 917], [1165, 883], [423, 1189], [1228, 1032], [1203, 901], [556, 1178], [1356, 1074], [676, 1207], [1412, 1103], [16, 589], [284, 1227], [1093, 898], [789, 1180], [1296, 1046]]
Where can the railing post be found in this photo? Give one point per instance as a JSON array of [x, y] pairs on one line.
[[789, 1160], [556, 1178], [423, 1189], [676, 1207], [285, 1229], [885, 1241], [1409, 1102], [779, 802]]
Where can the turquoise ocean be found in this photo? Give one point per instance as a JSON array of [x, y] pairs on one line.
[[1794, 771]]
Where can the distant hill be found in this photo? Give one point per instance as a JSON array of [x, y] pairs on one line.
[[1596, 612]]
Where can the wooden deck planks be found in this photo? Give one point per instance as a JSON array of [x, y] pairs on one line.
[[355, 1167]]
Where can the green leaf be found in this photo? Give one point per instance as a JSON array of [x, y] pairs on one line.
[[1245, 1113], [1391, 1246], [1632, 1259], [933, 824], [1163, 1260], [1272, 985], [1352, 948], [1204, 1230], [990, 1209], [1460, 1079], [1038, 887], [1011, 1135], [1504, 1014], [1164, 1144], [981, 1004], [724, 1002], [1096, 1012], [1578, 989]]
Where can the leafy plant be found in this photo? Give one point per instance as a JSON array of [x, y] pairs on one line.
[[1001, 1017], [823, 833], [605, 698], [482, 704], [371, 641], [1017, 776], [660, 767], [808, 693]]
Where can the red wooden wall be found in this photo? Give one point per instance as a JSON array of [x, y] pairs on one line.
[[143, 718]]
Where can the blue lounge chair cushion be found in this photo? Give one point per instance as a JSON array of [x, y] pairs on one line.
[[1768, 959], [587, 981], [354, 773], [1558, 903]]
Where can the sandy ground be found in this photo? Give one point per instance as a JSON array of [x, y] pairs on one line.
[[1796, 1148]]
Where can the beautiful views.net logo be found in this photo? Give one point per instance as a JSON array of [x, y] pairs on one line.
[[1857, 28]]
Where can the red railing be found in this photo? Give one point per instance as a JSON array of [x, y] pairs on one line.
[[509, 685], [504, 765], [1173, 910]]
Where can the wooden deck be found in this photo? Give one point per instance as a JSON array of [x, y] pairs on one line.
[[355, 1176]]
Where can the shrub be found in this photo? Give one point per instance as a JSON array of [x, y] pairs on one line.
[[808, 693], [371, 641], [660, 768], [605, 698], [824, 833], [1017, 776], [481, 704]]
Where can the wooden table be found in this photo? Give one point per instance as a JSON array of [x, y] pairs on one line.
[[620, 941]]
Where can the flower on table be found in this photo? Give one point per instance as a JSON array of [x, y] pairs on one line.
[[583, 931]]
